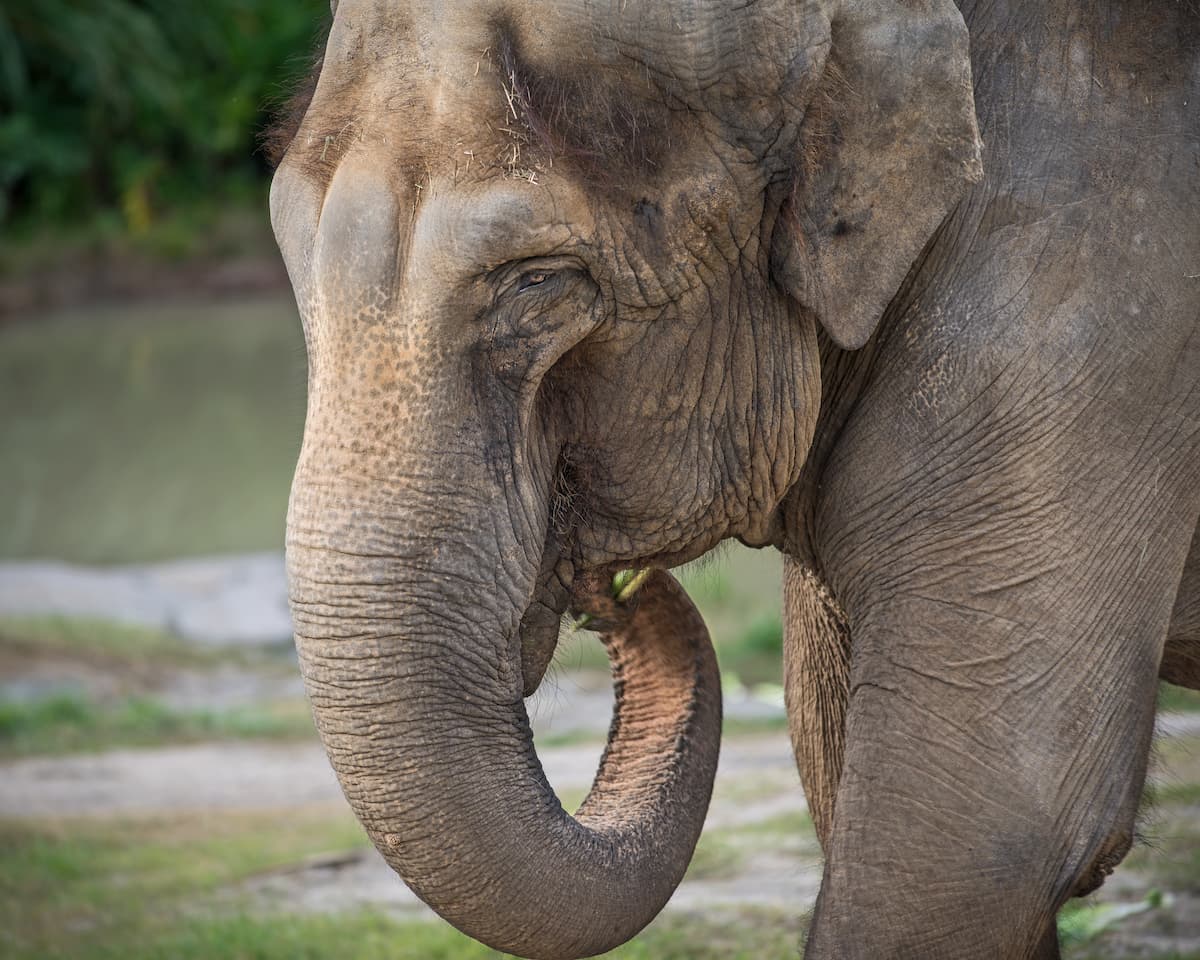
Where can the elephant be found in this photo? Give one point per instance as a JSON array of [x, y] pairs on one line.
[[904, 289]]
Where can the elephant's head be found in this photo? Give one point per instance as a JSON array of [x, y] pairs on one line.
[[560, 267]]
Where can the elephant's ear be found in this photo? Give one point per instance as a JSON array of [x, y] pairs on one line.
[[889, 145]]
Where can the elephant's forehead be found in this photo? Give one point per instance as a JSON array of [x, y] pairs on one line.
[[690, 50], [407, 72], [690, 38]]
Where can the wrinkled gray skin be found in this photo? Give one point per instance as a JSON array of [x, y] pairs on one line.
[[590, 285]]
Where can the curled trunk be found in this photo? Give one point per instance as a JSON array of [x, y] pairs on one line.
[[421, 712]]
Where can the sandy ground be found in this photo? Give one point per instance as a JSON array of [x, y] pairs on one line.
[[208, 600]]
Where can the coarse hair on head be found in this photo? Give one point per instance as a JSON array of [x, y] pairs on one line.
[[596, 123]]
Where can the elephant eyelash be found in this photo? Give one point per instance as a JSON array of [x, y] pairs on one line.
[[541, 277], [535, 278]]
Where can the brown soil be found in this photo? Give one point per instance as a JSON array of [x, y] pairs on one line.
[[130, 277]]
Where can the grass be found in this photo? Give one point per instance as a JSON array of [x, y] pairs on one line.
[[739, 593], [721, 853], [134, 658], [1178, 699], [96, 890], [66, 723], [151, 432], [371, 935], [716, 857], [750, 726], [1177, 794], [67, 885], [787, 825], [1081, 921], [100, 641]]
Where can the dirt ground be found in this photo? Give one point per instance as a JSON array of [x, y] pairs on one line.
[[762, 851], [758, 857]]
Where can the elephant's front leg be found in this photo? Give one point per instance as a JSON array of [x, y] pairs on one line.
[[992, 769], [1004, 648]]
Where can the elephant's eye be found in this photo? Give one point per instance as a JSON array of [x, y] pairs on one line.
[[533, 279]]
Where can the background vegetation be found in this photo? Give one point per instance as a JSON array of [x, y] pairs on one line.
[[120, 115]]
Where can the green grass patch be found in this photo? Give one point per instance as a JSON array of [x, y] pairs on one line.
[[370, 935], [715, 857], [142, 889], [750, 726], [1178, 699], [1081, 921], [788, 824], [92, 640], [69, 886], [69, 723], [1183, 794], [764, 636], [722, 853], [571, 799], [149, 432], [738, 592], [570, 738]]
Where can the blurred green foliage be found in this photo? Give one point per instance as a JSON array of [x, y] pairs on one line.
[[126, 109]]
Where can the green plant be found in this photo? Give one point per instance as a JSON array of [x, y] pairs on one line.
[[133, 106], [69, 722]]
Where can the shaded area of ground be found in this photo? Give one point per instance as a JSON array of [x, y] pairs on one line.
[[208, 253]]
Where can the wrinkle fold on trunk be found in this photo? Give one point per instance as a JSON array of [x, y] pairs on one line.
[[420, 709]]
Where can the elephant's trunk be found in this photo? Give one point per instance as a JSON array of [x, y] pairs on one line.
[[409, 643]]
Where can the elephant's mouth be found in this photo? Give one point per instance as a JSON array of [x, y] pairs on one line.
[[563, 592], [543, 618]]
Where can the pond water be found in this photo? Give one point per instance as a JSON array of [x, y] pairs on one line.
[[147, 432]]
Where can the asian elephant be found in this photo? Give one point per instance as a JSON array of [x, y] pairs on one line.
[[906, 291]]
